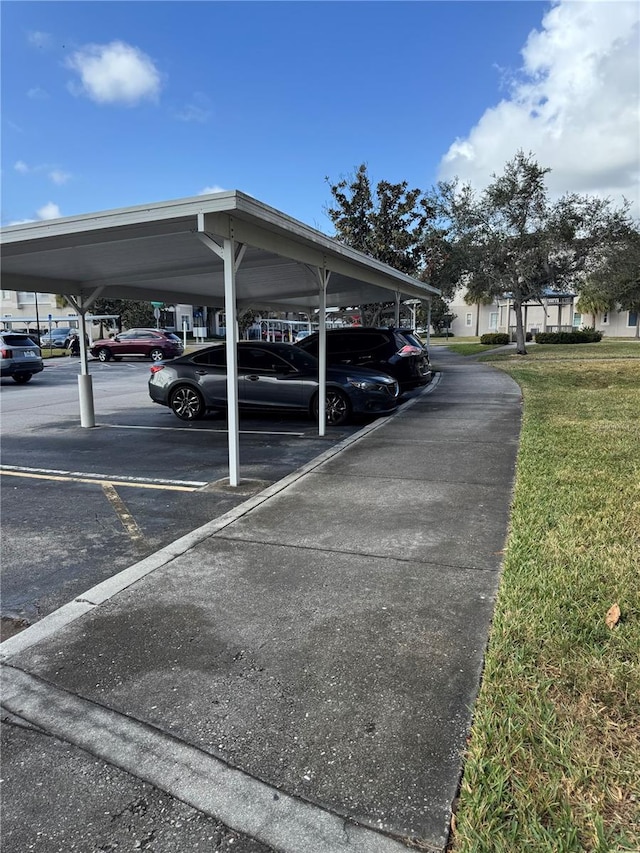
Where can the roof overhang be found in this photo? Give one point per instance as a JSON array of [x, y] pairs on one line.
[[167, 252]]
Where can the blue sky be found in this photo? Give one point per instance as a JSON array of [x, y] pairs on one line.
[[111, 104]]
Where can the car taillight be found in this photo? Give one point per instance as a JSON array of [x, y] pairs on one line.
[[156, 367], [409, 350], [6, 353]]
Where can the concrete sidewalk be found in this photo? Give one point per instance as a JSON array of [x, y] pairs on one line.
[[304, 670]]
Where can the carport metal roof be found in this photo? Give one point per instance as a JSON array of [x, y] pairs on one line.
[[156, 252], [221, 249]]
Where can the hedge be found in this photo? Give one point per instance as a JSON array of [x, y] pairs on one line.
[[495, 338], [577, 337]]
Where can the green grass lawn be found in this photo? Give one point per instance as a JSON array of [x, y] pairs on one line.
[[553, 760]]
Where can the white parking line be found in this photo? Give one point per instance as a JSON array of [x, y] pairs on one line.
[[205, 430], [84, 476]]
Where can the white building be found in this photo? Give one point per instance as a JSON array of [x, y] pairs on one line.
[[556, 313]]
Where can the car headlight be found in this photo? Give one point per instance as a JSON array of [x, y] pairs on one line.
[[369, 385], [363, 384]]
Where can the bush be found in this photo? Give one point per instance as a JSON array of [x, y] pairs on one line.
[[584, 336], [495, 338]]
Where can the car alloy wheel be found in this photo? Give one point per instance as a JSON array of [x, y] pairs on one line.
[[187, 403], [22, 378], [337, 409], [104, 354], [156, 354]]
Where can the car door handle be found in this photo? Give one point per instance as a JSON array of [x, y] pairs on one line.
[[201, 372], [253, 377]]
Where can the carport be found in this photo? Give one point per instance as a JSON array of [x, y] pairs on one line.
[[221, 249]]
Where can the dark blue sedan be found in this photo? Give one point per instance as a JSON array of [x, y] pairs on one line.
[[270, 376]]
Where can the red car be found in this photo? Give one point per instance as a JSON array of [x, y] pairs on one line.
[[155, 344]]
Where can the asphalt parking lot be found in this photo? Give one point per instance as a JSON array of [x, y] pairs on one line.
[[79, 505]]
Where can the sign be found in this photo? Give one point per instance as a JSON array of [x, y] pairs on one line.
[[156, 312], [157, 304]]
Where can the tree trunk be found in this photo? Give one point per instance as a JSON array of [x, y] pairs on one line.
[[520, 342]]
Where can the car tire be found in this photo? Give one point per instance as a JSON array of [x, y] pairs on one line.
[[187, 403], [22, 378], [104, 354], [338, 407], [156, 354]]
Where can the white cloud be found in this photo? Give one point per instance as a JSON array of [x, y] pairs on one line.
[[576, 106], [198, 109], [39, 39], [49, 211], [114, 73], [214, 189], [59, 177]]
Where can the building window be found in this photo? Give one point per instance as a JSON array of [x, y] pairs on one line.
[[577, 320], [468, 319], [493, 320], [633, 319], [605, 318]]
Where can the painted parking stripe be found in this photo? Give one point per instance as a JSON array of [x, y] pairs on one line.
[[109, 477], [120, 508], [64, 478], [205, 430]]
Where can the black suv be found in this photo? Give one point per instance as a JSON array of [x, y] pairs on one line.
[[391, 351]]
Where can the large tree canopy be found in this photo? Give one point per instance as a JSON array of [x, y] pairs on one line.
[[510, 239], [387, 224]]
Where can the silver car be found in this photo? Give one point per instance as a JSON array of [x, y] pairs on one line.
[[58, 338], [20, 357], [270, 376]]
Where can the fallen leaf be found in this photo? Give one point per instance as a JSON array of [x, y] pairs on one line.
[[613, 616]]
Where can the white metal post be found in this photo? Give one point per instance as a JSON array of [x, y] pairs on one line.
[[85, 381], [429, 324], [233, 419], [322, 353], [397, 314]]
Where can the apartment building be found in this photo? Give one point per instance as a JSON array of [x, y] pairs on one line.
[[556, 312]]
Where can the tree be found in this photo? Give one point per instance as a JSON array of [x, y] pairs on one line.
[[133, 313], [615, 278], [387, 225], [511, 240], [594, 299], [441, 315]]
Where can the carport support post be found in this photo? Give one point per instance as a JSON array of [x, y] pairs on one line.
[[228, 254], [397, 314], [85, 381], [323, 278]]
